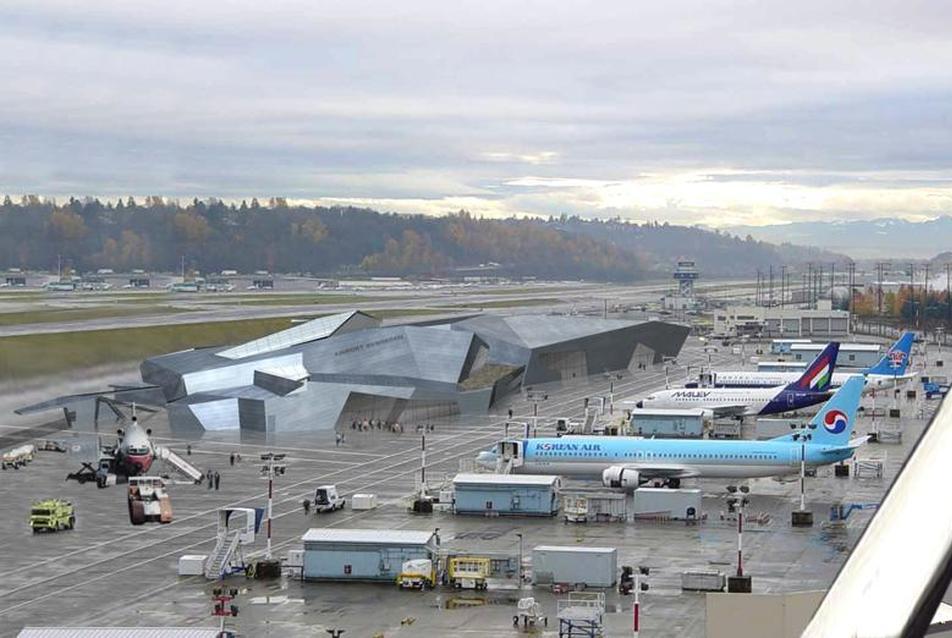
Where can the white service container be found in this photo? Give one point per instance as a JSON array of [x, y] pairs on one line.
[[363, 502], [191, 564]]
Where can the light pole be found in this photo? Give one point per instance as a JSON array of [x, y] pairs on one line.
[[535, 397], [802, 433], [519, 569], [612, 376], [272, 467], [636, 606], [737, 500]]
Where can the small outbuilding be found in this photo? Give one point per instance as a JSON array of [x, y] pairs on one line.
[[667, 423], [363, 554], [506, 494]]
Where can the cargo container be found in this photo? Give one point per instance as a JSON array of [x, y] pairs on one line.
[[574, 566], [192, 564], [660, 502], [598, 507], [363, 502], [702, 581]]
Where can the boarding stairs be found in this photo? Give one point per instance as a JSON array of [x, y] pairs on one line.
[[217, 563], [180, 464]]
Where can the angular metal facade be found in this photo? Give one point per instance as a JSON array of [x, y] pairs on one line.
[[348, 368]]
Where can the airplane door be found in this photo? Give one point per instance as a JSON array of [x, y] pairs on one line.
[[791, 399], [509, 450]]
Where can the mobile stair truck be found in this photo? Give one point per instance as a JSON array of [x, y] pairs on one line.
[[468, 572]]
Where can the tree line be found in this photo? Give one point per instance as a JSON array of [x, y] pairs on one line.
[[155, 234]]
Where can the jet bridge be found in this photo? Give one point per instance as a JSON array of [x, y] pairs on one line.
[[509, 455]]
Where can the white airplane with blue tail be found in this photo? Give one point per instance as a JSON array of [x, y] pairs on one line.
[[890, 371], [627, 462]]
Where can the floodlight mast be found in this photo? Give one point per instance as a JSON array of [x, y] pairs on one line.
[[269, 470]]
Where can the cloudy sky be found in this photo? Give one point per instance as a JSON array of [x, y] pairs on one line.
[[708, 111]]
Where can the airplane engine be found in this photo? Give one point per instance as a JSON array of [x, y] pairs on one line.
[[619, 477]]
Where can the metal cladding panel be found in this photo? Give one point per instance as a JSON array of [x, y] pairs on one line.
[[313, 330], [237, 374], [400, 351], [217, 415]]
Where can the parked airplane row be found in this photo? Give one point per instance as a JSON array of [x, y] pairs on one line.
[[627, 462], [890, 371], [810, 387]]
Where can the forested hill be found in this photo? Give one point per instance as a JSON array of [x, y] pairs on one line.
[[155, 234]]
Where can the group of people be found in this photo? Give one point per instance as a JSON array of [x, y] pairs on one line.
[[213, 478], [366, 425]]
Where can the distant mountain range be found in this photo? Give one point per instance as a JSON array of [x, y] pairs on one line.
[[885, 238]]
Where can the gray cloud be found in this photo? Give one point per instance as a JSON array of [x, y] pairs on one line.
[[713, 112]]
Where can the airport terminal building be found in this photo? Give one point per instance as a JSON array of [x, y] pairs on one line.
[[334, 370]]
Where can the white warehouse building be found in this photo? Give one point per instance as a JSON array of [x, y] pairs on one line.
[[782, 321]]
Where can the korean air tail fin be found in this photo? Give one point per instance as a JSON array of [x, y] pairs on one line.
[[896, 359], [817, 376], [833, 424]]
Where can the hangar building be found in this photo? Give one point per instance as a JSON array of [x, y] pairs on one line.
[[335, 369]]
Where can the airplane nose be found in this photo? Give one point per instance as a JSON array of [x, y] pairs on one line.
[[640, 404], [486, 459]]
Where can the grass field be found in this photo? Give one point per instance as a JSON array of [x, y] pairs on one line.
[[267, 299], [52, 315], [25, 356], [510, 303]]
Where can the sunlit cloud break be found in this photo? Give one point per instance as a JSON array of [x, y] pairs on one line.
[[699, 112]]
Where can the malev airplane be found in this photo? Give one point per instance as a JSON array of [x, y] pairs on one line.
[[627, 462], [888, 372], [809, 388]]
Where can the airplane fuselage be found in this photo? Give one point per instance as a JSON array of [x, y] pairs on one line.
[[588, 457], [758, 379], [750, 401]]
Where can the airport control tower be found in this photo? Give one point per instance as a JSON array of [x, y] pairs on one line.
[[686, 273]]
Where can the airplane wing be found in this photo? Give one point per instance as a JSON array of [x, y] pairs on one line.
[[737, 409], [58, 402], [852, 445]]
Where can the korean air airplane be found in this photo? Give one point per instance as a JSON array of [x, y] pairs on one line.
[[888, 372], [809, 388], [627, 462]]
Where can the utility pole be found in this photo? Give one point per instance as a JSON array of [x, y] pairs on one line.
[[272, 467], [832, 281], [783, 288], [737, 500], [948, 295], [770, 297], [801, 517], [912, 293], [925, 297], [636, 605]]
